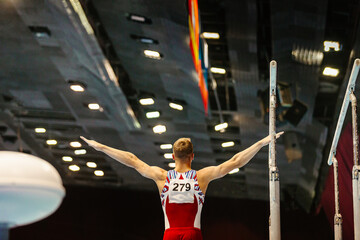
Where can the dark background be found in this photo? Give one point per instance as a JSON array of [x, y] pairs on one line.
[[106, 214]]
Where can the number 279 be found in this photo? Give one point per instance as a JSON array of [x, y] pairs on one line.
[[181, 186]]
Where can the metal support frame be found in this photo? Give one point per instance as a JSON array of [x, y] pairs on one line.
[[356, 169], [349, 95], [337, 216], [274, 181]]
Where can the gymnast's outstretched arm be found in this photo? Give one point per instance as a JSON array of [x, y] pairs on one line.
[[206, 175], [129, 159]]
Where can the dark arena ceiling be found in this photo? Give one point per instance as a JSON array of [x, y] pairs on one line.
[[48, 46]]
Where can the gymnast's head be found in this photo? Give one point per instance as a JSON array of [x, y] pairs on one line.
[[183, 150]]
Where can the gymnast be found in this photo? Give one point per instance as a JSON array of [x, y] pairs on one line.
[[182, 190]]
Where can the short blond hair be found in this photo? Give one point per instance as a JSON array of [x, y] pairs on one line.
[[183, 148]]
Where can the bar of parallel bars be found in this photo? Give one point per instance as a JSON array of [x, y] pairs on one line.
[[274, 183], [356, 169], [350, 88]]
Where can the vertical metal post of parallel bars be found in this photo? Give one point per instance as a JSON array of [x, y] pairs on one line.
[[349, 90], [356, 169], [274, 184], [337, 216]]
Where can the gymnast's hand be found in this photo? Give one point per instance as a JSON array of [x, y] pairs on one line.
[[265, 141], [97, 146]]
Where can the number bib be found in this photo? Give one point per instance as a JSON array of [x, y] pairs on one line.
[[181, 191]]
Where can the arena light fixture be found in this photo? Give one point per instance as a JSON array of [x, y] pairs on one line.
[[75, 144], [331, 45], [94, 106], [176, 106], [146, 101], [40, 130], [221, 126], [159, 129], [172, 164], [91, 164], [210, 35], [152, 54], [80, 152], [154, 114], [234, 171], [77, 88], [74, 168], [67, 159], [332, 72], [218, 70], [168, 155], [51, 142], [227, 144], [99, 173], [166, 146]]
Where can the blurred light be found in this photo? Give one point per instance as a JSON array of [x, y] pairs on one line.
[[227, 144], [152, 54], [77, 88], [51, 142], [99, 173], [210, 35], [168, 155], [80, 151], [91, 164], [94, 106], [67, 159], [234, 171], [176, 106], [307, 56], [166, 146], [137, 18], [75, 144], [218, 70], [40, 130], [74, 168], [172, 165], [221, 126], [154, 114], [147, 40], [159, 129], [332, 72], [146, 101], [331, 45]]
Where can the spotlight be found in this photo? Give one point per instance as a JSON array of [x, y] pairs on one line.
[[166, 146], [154, 114], [234, 171], [80, 151], [227, 144], [94, 106], [172, 164], [91, 164], [210, 35], [176, 106], [159, 129], [99, 173], [218, 70], [67, 159], [40, 130], [152, 54], [74, 168], [146, 101], [221, 126], [51, 142], [331, 45], [332, 72], [75, 144], [168, 155]]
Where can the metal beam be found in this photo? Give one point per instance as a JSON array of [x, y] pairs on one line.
[[274, 181]]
